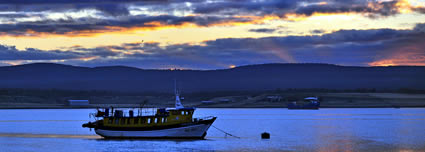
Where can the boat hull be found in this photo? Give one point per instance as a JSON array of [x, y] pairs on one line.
[[197, 131]]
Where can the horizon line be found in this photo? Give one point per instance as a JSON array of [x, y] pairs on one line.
[[182, 69]]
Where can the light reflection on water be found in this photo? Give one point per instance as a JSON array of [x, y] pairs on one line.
[[291, 130]]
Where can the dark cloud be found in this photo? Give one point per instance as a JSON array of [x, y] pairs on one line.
[[308, 7], [112, 9], [420, 10], [317, 31], [11, 53], [108, 7], [373, 8], [263, 30], [236, 7], [90, 25], [419, 28], [229, 7], [63, 5], [27, 2]]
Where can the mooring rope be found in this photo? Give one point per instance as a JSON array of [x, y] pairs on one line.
[[226, 133]]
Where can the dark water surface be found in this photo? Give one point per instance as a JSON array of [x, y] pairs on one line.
[[371, 129]]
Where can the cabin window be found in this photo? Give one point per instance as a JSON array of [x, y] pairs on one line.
[[136, 121], [182, 112], [186, 112], [165, 120], [122, 121], [156, 120], [110, 121], [129, 121], [149, 120], [162, 120], [117, 120]]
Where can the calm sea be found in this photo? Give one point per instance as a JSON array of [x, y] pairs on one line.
[[383, 129]]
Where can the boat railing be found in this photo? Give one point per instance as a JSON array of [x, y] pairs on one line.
[[124, 112], [202, 118]]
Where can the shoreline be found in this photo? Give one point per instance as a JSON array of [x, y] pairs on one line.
[[265, 100], [220, 107]]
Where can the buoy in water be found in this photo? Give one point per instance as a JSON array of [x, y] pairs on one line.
[[265, 135]]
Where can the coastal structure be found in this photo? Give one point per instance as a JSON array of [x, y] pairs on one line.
[[308, 103]]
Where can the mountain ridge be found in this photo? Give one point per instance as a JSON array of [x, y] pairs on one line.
[[242, 78]]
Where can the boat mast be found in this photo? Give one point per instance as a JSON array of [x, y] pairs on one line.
[[176, 92]]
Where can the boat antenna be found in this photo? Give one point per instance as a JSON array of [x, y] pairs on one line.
[[176, 92]]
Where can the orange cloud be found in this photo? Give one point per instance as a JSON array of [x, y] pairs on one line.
[[88, 58], [402, 58], [407, 6], [398, 61], [14, 62], [322, 3]]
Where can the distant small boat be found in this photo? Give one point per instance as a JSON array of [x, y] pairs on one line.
[[308, 103], [159, 123]]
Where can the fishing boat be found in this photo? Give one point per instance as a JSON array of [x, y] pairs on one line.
[[177, 122], [308, 103]]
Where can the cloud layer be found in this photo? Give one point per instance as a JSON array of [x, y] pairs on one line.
[[70, 17], [378, 47]]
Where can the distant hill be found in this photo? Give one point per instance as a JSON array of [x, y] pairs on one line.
[[252, 77]]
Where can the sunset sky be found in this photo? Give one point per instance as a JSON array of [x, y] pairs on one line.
[[212, 34]]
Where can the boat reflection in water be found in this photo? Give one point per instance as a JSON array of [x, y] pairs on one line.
[[175, 122]]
